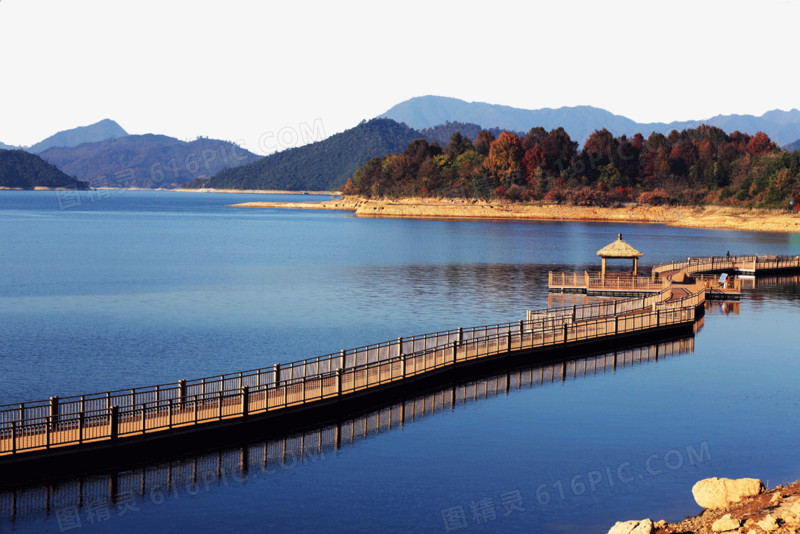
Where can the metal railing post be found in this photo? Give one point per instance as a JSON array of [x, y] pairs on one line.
[[182, 392], [54, 411], [245, 400], [276, 378], [13, 437], [114, 422], [81, 423], [339, 382], [144, 418]]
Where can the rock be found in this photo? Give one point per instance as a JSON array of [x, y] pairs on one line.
[[790, 512], [768, 524], [776, 498], [644, 526], [725, 523], [715, 493], [661, 524]]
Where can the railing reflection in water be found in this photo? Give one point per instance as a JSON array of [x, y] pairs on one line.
[[190, 475]]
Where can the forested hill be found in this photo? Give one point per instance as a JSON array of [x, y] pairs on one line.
[[20, 169], [702, 165], [147, 160], [442, 133], [320, 166]]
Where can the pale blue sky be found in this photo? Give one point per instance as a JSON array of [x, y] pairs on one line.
[[242, 70]]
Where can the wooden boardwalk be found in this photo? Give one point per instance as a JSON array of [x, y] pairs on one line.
[[702, 270], [40, 428], [267, 457]]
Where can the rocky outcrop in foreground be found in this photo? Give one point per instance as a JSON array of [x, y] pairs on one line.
[[731, 506]]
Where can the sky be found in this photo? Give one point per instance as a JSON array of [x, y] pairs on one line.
[[269, 75]]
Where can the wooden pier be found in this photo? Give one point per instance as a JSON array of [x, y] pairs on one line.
[[56, 427], [701, 271], [266, 457]]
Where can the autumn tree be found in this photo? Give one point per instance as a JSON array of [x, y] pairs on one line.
[[559, 150], [759, 144], [504, 161], [483, 142], [458, 145]]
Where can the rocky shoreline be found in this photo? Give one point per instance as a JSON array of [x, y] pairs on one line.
[[731, 506], [713, 217]]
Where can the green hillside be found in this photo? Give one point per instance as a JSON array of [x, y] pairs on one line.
[[22, 170], [321, 166]]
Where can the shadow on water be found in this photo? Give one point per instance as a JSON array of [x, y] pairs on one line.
[[162, 481]]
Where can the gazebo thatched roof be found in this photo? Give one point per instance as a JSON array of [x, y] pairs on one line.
[[619, 249]]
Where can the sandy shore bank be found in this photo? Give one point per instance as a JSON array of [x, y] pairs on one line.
[[715, 217], [255, 191]]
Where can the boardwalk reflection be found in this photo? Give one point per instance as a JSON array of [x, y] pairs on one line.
[[192, 474]]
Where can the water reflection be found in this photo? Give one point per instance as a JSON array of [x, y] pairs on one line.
[[767, 288], [190, 475]]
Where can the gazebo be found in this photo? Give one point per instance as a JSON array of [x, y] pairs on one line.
[[618, 250]]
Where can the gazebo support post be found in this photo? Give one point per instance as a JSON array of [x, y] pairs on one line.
[[603, 274]]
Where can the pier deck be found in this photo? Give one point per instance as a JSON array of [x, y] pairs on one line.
[[59, 426]]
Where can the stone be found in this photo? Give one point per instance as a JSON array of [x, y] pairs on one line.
[[768, 524], [790, 512], [644, 526], [776, 498], [661, 524], [715, 493], [725, 524]]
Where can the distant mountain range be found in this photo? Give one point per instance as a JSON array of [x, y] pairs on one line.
[[105, 155], [99, 131], [22, 170], [580, 121], [149, 161], [319, 166], [791, 147]]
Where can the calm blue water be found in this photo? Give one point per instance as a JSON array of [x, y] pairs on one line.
[[135, 288]]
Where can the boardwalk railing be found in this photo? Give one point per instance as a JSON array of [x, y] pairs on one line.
[[593, 280], [268, 457], [749, 263], [114, 415]]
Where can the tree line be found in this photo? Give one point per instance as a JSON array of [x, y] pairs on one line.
[[703, 165]]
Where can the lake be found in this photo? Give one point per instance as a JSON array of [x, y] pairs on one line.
[[104, 290]]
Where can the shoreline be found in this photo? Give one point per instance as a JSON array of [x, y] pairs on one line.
[[179, 190], [254, 191], [733, 506], [708, 217]]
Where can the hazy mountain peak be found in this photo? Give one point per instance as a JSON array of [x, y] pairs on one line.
[[99, 131], [579, 121]]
